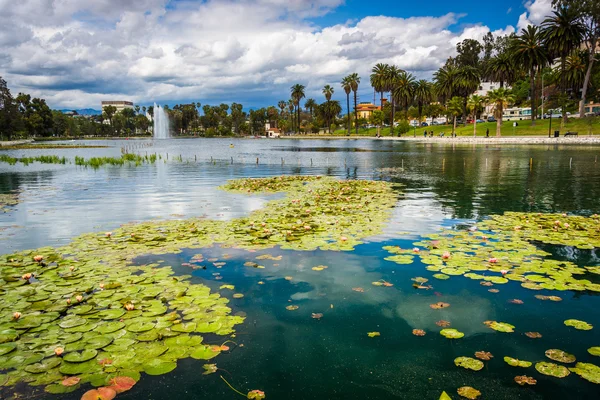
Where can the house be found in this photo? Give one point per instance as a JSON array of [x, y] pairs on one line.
[[365, 109], [272, 132], [591, 107]]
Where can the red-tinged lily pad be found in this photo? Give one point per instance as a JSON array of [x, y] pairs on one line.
[[317, 315], [500, 326], [559, 355], [71, 381], [468, 363], [256, 394], [439, 305], [551, 369], [103, 393], [525, 380], [443, 323], [493, 291], [418, 332], [469, 392], [484, 355], [358, 289], [516, 301], [486, 283], [121, 384], [533, 335]]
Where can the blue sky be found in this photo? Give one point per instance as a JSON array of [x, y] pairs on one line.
[[77, 53]]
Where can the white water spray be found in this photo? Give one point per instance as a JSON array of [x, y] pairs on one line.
[[161, 123]]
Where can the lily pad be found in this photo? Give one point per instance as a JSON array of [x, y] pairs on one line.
[[589, 372], [158, 366], [595, 351], [468, 363], [6, 348], [561, 356], [577, 324], [79, 357], [551, 369], [513, 362], [451, 333], [469, 392]]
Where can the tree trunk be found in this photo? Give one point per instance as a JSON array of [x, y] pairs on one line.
[[392, 121], [348, 124], [586, 80], [563, 89], [474, 124], [298, 111], [499, 126], [355, 115], [454, 126], [381, 100], [533, 97]]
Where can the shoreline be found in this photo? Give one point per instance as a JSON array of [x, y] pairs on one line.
[[579, 140]]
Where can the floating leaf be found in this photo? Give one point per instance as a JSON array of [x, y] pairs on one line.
[[79, 357], [158, 366], [468, 363], [500, 326], [451, 333], [577, 324], [589, 372], [209, 369], [551, 369], [444, 396], [121, 384], [358, 289], [595, 351], [469, 392], [71, 381], [439, 305], [525, 380], [237, 295], [513, 362], [317, 315], [373, 334], [418, 332], [559, 355], [230, 287], [292, 307], [256, 394], [103, 393], [533, 335], [484, 355]]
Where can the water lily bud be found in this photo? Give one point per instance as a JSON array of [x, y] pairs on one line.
[[108, 234], [129, 306], [557, 222], [68, 301], [343, 238], [38, 258], [564, 214], [58, 351], [416, 250], [102, 286], [27, 276], [71, 268], [493, 260], [79, 298], [446, 255], [504, 272], [307, 227], [16, 315], [566, 225]]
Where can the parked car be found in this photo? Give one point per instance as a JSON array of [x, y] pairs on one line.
[[435, 123], [479, 121], [424, 124], [491, 119]]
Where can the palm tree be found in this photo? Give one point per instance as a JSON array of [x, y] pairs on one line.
[[282, 105], [445, 80], [499, 99], [378, 76], [291, 108], [328, 92], [391, 78], [475, 104], [354, 80], [529, 50], [423, 95], [297, 94], [562, 33], [404, 91], [501, 68], [455, 107], [310, 104], [575, 68], [347, 86]]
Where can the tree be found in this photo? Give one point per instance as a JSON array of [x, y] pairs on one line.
[[423, 95], [110, 111], [378, 79], [329, 110], [501, 68], [347, 86], [10, 118], [354, 82], [238, 117], [376, 119], [468, 53], [529, 51], [499, 98], [404, 90], [445, 80], [328, 92], [391, 78], [291, 108], [455, 108], [588, 12], [310, 104], [137, 109], [562, 34], [297, 94], [475, 104], [575, 69]]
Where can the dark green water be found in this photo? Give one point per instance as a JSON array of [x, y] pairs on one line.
[[290, 355]]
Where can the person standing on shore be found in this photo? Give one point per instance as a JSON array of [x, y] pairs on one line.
[[487, 132]]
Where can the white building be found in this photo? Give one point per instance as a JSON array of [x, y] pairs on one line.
[[120, 105], [272, 132]]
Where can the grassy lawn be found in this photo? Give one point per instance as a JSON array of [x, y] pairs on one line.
[[584, 127]]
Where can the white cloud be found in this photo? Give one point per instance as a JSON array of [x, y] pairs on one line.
[[75, 53], [537, 11]]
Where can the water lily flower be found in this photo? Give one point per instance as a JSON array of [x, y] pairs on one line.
[[307, 227], [71, 268], [58, 351], [129, 306], [79, 298], [16, 315], [493, 260], [484, 238], [504, 272], [108, 234], [446, 255], [564, 214], [566, 225], [38, 258], [416, 250], [101, 286], [343, 238], [27, 276], [557, 222], [68, 301]]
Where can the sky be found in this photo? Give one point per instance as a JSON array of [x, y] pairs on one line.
[[77, 53]]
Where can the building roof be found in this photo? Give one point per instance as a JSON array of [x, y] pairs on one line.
[[367, 107]]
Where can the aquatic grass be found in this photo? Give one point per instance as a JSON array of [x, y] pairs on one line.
[[29, 160]]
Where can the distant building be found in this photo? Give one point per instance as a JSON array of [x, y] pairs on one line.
[[272, 132], [119, 104], [365, 109], [591, 108]]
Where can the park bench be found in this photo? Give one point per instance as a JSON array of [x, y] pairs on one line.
[[570, 134]]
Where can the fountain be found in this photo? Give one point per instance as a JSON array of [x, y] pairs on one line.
[[161, 123]]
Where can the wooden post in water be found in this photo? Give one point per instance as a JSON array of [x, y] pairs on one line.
[[256, 160], [282, 162], [570, 162], [311, 162], [530, 163], [232, 160]]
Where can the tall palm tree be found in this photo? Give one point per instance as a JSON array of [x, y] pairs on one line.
[[328, 92], [575, 68], [528, 50], [391, 78], [297, 94], [499, 98], [310, 104], [347, 86], [378, 79], [404, 91], [423, 95], [445, 80], [291, 107], [562, 33], [475, 104], [282, 105], [455, 107], [354, 80], [501, 68]]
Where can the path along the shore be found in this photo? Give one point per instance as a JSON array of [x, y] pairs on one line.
[[580, 140]]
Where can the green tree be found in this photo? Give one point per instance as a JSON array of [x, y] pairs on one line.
[[347, 86], [354, 82], [501, 68], [529, 51], [109, 112], [391, 78], [328, 92], [297, 92], [423, 95], [310, 104], [445, 81], [499, 99], [468, 53], [475, 104], [376, 119], [562, 34], [378, 79], [455, 108], [404, 90], [10, 117]]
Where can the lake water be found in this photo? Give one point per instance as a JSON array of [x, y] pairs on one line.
[[288, 354]]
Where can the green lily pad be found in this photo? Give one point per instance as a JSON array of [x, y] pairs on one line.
[[138, 327], [513, 362], [551, 369], [159, 366], [442, 277], [79, 357], [501, 326], [595, 351], [203, 353], [559, 355], [468, 363], [68, 368], [98, 342], [589, 372], [577, 324], [451, 333], [72, 322], [114, 313], [45, 366], [109, 327], [58, 388], [6, 348]]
